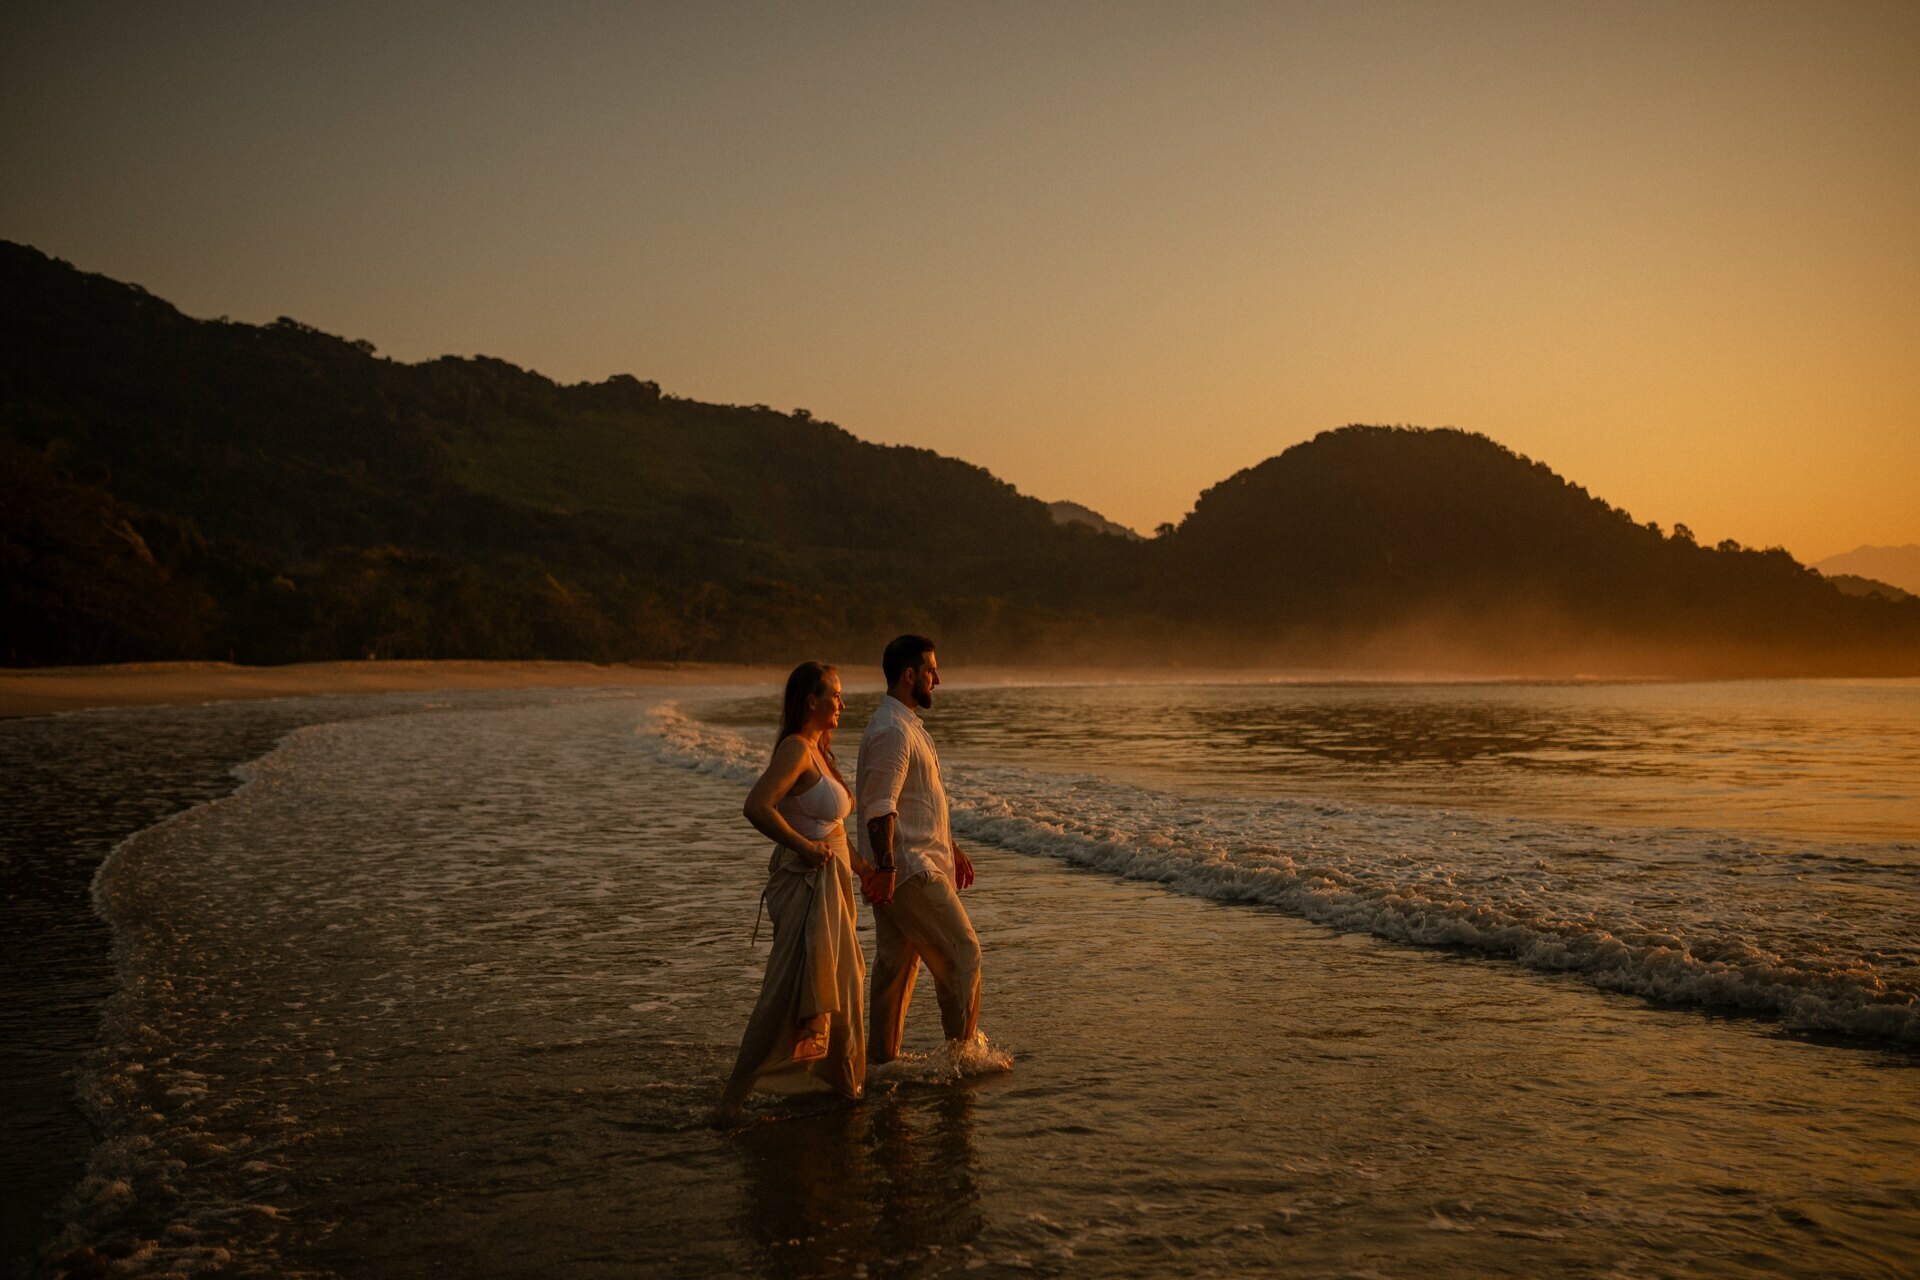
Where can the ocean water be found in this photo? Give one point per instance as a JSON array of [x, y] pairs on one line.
[[1321, 980]]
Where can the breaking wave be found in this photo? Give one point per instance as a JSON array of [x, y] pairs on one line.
[[1826, 940]]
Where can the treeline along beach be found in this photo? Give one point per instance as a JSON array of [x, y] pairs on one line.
[[181, 488]]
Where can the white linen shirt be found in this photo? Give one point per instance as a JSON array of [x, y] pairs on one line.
[[899, 773]]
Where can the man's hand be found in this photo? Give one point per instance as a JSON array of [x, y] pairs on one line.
[[962, 869], [877, 887]]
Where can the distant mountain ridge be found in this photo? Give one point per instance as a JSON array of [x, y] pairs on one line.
[[1855, 585], [185, 488], [1074, 513], [1896, 566]]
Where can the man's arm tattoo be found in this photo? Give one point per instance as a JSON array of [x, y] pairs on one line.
[[880, 840]]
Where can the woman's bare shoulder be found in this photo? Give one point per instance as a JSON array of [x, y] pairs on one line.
[[791, 751], [788, 764]]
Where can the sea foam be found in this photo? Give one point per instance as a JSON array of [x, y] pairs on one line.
[[1825, 942]]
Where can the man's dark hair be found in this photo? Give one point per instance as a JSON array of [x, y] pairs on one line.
[[903, 652]]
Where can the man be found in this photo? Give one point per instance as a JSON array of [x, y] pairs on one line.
[[915, 871]]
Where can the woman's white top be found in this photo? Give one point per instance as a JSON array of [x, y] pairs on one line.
[[817, 812]]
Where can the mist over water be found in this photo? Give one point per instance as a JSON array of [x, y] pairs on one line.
[[449, 991]]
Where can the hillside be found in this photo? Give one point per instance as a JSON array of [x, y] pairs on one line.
[[317, 501], [181, 488], [1411, 541]]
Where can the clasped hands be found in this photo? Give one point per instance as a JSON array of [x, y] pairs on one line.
[[877, 886]]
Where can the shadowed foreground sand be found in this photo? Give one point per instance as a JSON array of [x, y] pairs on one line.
[[42, 690]]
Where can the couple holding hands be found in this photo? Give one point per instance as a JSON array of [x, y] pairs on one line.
[[806, 1031]]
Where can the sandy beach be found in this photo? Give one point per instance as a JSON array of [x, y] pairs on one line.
[[42, 690]]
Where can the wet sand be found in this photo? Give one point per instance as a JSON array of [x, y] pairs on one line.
[[42, 690]]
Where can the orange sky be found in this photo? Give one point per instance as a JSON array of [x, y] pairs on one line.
[[1113, 252]]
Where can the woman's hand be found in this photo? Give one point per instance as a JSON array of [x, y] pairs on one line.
[[815, 853], [877, 887]]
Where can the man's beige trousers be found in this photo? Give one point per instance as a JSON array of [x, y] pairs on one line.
[[925, 921]]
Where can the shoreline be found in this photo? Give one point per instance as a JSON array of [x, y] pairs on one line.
[[37, 691]]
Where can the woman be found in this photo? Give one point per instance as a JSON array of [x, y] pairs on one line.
[[808, 1030]]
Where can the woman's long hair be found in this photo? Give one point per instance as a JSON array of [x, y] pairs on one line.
[[808, 679]]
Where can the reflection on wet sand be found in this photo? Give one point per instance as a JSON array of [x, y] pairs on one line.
[[886, 1185]]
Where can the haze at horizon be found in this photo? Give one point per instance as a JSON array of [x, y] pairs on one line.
[[1111, 253]]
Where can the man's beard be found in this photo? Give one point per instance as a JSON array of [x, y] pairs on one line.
[[922, 698]]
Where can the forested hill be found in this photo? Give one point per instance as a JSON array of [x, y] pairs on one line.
[[184, 488], [187, 488], [1444, 539]]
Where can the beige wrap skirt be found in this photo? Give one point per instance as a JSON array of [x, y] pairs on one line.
[[815, 967]]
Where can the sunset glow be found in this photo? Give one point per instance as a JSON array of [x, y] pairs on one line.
[[1111, 253]]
